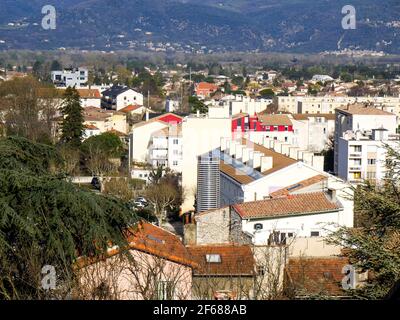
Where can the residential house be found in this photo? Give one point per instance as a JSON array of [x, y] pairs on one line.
[[118, 97], [90, 97], [105, 120], [277, 220], [154, 265], [205, 89]]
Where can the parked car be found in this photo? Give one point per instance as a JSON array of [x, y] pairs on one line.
[[142, 200], [138, 205]]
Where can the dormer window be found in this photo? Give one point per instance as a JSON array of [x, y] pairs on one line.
[[213, 258]]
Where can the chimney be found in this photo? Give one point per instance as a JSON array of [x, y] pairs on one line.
[[266, 163], [198, 114], [332, 194], [147, 115]]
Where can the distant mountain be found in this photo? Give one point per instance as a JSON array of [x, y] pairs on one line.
[[184, 25]]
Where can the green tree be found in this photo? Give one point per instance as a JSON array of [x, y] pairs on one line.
[[196, 105], [72, 124], [50, 220], [266, 93], [374, 245]]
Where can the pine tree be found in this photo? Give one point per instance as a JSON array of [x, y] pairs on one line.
[[72, 125]]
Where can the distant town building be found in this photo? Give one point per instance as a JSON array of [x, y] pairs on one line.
[[119, 97], [74, 77]]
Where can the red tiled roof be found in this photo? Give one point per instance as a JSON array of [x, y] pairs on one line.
[[360, 109], [306, 203], [91, 127], [159, 242], [130, 108], [298, 186], [235, 260], [207, 86], [313, 276], [89, 93], [150, 239], [274, 119]]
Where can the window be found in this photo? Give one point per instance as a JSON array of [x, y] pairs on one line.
[[213, 258], [174, 163], [258, 226], [357, 162], [286, 128], [357, 175], [314, 233], [275, 128], [175, 141], [357, 149], [286, 139], [371, 161], [175, 152], [261, 270]]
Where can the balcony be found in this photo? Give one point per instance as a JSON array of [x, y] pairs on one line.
[[355, 168], [355, 155]]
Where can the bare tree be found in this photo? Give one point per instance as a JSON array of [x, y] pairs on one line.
[[161, 196]]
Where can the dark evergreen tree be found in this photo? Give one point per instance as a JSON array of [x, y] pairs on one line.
[[46, 220], [72, 124]]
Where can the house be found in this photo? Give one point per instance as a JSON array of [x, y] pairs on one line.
[[134, 109], [154, 265], [105, 120], [90, 131], [224, 271], [73, 77], [90, 97], [277, 220], [118, 97], [205, 89]]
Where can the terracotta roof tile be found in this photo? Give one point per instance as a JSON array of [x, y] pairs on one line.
[[234, 260], [130, 108], [306, 116], [306, 203], [312, 276], [361, 109], [298, 186], [89, 93], [274, 119]]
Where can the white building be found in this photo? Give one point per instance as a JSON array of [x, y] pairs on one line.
[[251, 172], [232, 105], [141, 135], [362, 155], [200, 134], [313, 131], [278, 220], [90, 98], [119, 97], [166, 148], [360, 133], [328, 103], [70, 77]]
